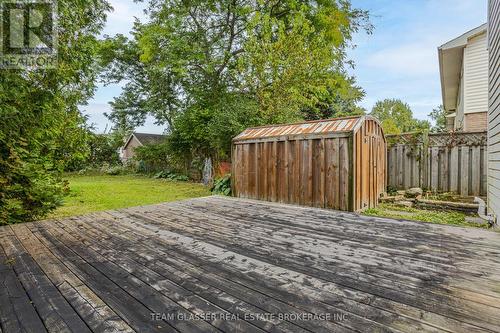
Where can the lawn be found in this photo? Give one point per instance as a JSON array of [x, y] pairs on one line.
[[406, 213], [97, 193]]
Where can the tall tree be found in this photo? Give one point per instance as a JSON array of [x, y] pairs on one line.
[[41, 128], [207, 69], [295, 60], [439, 116], [397, 117]]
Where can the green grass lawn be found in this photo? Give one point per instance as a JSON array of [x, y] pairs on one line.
[[98, 193], [406, 213]]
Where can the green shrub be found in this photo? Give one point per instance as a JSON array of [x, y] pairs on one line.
[[115, 171], [222, 186], [153, 157], [42, 131], [171, 176], [103, 149], [391, 190]]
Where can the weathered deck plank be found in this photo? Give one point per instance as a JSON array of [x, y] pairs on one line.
[[341, 304], [16, 312], [243, 260], [261, 252], [98, 316], [55, 311], [177, 272]]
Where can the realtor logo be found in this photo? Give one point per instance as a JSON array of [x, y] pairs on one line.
[[28, 34]]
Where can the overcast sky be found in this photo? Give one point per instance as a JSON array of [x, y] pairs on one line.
[[399, 60]]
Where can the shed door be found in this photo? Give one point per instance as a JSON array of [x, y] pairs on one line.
[[374, 153], [369, 167]]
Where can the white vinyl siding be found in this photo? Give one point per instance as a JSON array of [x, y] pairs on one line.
[[494, 109], [459, 119], [476, 75]]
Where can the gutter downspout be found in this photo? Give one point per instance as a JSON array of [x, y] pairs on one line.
[[481, 211]]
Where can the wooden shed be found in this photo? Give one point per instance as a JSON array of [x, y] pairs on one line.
[[337, 163]]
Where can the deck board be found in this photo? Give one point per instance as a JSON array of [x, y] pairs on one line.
[[228, 264]]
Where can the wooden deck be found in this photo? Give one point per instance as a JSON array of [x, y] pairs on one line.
[[234, 265]]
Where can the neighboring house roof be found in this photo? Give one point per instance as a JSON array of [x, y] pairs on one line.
[[450, 65], [345, 124], [145, 139]]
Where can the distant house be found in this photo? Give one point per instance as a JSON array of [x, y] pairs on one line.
[[463, 64], [137, 140]]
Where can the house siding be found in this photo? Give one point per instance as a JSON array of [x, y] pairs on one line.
[[476, 75], [459, 118], [494, 108], [128, 151]]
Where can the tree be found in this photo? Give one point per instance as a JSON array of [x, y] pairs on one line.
[[397, 117], [103, 150], [338, 103], [439, 116], [208, 69], [296, 62], [41, 124]]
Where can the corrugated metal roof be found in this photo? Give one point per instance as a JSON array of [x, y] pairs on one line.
[[311, 127]]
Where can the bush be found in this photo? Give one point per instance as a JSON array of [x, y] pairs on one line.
[[392, 191], [153, 157], [29, 192], [171, 176], [42, 132], [114, 170], [222, 186], [103, 149]]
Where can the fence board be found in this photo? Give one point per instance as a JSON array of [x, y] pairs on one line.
[[444, 169], [407, 166], [399, 156], [304, 172], [454, 169], [476, 170], [415, 171], [392, 164], [434, 170], [272, 160], [344, 174], [444, 163], [287, 162], [332, 176], [464, 171], [484, 170], [296, 171]]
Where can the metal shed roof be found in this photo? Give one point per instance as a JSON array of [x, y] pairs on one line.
[[346, 124]]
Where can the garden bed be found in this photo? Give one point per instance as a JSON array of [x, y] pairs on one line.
[[398, 211], [433, 201], [441, 208]]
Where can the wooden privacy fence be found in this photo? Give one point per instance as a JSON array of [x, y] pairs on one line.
[[451, 162]]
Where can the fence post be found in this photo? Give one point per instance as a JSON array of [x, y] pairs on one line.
[[424, 161]]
